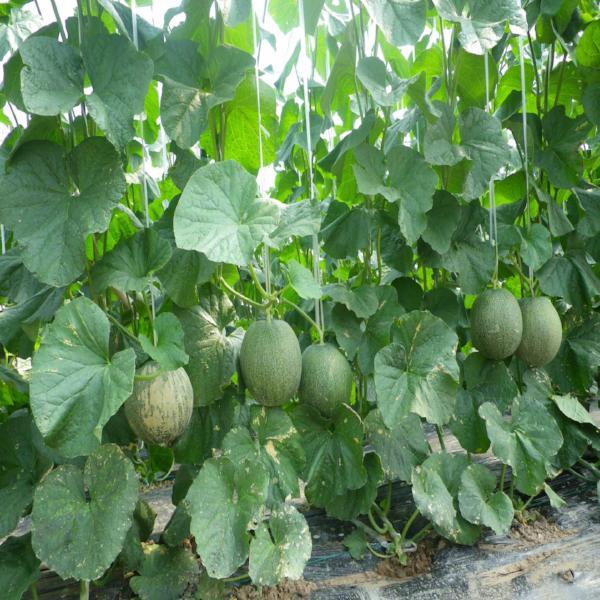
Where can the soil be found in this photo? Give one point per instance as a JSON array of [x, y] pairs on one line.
[[418, 562], [538, 531], [288, 589]]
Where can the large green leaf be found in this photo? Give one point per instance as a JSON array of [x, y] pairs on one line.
[[274, 442], [588, 48], [183, 112], [219, 214], [131, 265], [168, 349], [527, 443], [21, 466], [400, 448], [334, 455], [212, 352], [81, 517], [435, 491], [418, 372], [224, 500], [415, 182], [466, 424], [401, 21], [303, 281], [53, 202], [536, 246], [52, 79], [120, 76], [442, 221], [280, 548], [76, 386], [164, 573], [362, 301], [19, 567], [479, 501]]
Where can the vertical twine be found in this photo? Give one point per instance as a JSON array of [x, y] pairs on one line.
[[311, 193]]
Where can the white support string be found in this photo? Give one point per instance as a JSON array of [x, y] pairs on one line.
[[257, 44], [144, 183], [491, 189], [311, 193], [3, 239], [525, 150]]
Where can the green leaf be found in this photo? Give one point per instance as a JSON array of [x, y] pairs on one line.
[[362, 301], [334, 455], [589, 224], [435, 491], [19, 566], [591, 103], [21, 467], [226, 69], [67, 198], [479, 501], [536, 246], [345, 231], [298, 219], [415, 182], [527, 443], [303, 281], [400, 448], [352, 503], [131, 264], [385, 87], [168, 351], [482, 144], [52, 78], [356, 542], [401, 21], [280, 548], [212, 352], [418, 372], [573, 409], [470, 78], [219, 215], [369, 170], [80, 518], [275, 443], [466, 424], [570, 277], [588, 48], [225, 499], [555, 500], [144, 517], [341, 82], [234, 11], [120, 76], [76, 386], [442, 221], [164, 573]]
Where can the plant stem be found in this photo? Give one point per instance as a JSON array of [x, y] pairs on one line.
[[84, 590], [388, 498], [257, 283], [307, 317], [149, 377], [377, 554], [422, 533], [408, 524], [590, 466], [560, 79], [368, 530], [243, 297], [241, 577], [538, 85], [502, 477], [58, 21], [440, 434], [580, 476], [524, 507], [549, 65], [33, 591], [374, 524], [121, 327]]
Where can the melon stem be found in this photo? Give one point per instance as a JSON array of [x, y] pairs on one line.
[[307, 317]]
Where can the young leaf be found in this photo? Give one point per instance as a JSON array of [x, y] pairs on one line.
[[356, 542], [169, 350], [280, 548], [303, 281], [53, 203], [555, 500], [224, 500], [80, 518], [19, 566], [165, 573], [220, 216], [480, 503], [76, 386], [334, 456], [418, 372]]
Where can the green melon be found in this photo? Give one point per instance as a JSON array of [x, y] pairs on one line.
[[159, 410], [496, 324], [326, 381], [542, 332], [271, 362]]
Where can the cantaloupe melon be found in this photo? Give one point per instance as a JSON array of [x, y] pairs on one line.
[[326, 381], [271, 362], [496, 324], [542, 332], [159, 410]]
